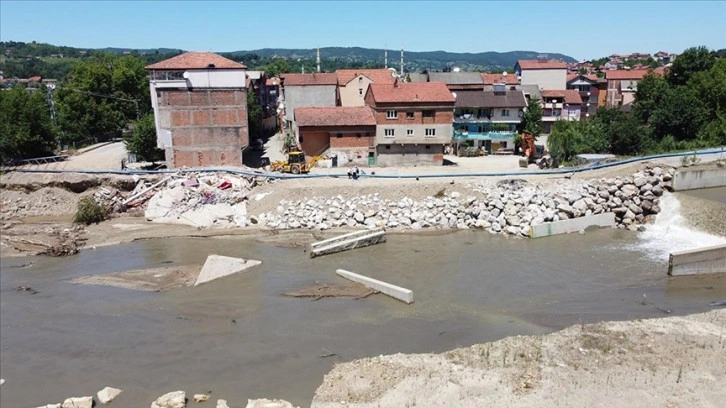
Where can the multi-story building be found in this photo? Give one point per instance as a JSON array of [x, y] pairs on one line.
[[307, 90], [546, 74], [353, 84], [592, 91], [458, 81], [413, 122], [488, 119], [621, 87], [347, 133], [560, 105], [200, 108]]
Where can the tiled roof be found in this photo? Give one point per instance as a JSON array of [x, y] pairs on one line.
[[626, 74], [571, 96], [196, 60], [490, 79], [572, 77], [272, 81], [335, 116], [536, 64], [489, 99], [382, 76], [456, 78], [411, 92], [310, 79]]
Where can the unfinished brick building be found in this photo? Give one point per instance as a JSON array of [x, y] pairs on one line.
[[200, 108]]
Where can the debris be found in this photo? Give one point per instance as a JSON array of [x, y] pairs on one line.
[[175, 399], [26, 289], [321, 290], [200, 397], [218, 266], [108, 394]]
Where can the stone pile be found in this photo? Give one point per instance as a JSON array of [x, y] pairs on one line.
[[202, 201], [506, 207]]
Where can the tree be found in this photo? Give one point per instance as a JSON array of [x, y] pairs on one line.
[[649, 96], [254, 115], [276, 67], [532, 119], [142, 140], [26, 130], [695, 59]]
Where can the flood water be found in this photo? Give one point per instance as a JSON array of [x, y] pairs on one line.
[[239, 338]]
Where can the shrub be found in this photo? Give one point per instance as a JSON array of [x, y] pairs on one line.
[[90, 211]]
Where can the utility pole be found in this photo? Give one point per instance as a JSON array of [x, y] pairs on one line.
[[385, 57], [401, 60], [318, 60]]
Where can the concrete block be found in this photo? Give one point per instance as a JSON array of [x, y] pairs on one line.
[[357, 239], [695, 179], [218, 266], [572, 225], [697, 261], [396, 292]]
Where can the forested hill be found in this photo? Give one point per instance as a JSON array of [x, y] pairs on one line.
[[19, 59]]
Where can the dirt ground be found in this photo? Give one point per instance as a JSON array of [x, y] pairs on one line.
[[668, 362], [153, 279]]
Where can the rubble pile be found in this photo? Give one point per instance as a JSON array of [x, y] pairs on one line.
[[215, 200], [507, 207]]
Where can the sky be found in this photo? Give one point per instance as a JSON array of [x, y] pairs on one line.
[[580, 29]]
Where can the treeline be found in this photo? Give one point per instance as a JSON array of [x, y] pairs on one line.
[[683, 110]]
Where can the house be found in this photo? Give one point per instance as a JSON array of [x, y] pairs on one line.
[[200, 109], [545, 73], [488, 119], [459, 81], [353, 84], [347, 133], [621, 87], [592, 92], [256, 82], [560, 104], [413, 122], [307, 90]]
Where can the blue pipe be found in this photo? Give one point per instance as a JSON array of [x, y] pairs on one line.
[[366, 175]]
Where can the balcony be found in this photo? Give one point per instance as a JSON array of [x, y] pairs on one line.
[[471, 118], [553, 105], [494, 135]]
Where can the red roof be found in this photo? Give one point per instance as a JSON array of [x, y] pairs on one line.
[[411, 92], [570, 77], [197, 60], [335, 116], [272, 81], [310, 79], [626, 74], [490, 79], [537, 64], [382, 76], [571, 96]]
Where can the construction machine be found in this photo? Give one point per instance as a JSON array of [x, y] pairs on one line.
[[296, 163], [532, 153]]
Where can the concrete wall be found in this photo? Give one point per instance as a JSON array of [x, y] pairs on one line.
[[572, 225], [697, 261], [307, 96], [694, 179], [443, 134], [545, 78], [410, 155], [207, 127], [353, 93]]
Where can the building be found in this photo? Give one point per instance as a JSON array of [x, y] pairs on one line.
[[488, 119], [256, 83], [459, 81], [347, 133], [353, 84], [592, 92], [413, 122], [200, 108], [510, 80], [560, 105], [547, 74], [621, 87], [307, 90]]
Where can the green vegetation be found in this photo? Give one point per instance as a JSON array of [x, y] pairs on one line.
[[532, 119], [90, 211], [685, 110], [26, 129], [142, 140]]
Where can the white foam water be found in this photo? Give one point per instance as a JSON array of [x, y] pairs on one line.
[[669, 233]]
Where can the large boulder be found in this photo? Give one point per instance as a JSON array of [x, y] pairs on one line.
[[108, 394], [174, 399], [78, 402]]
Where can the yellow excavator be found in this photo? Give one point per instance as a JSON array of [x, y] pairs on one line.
[[295, 163]]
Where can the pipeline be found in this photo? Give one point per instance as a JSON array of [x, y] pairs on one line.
[[384, 176]]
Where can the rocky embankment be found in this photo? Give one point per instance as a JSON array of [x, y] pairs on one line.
[[505, 207]]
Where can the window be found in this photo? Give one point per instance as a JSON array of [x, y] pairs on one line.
[[427, 114], [392, 114], [583, 88], [430, 132], [357, 135], [428, 146], [389, 132], [505, 112], [409, 132], [409, 115], [360, 91], [339, 135], [388, 147], [556, 112]]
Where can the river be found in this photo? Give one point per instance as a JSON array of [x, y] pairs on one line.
[[239, 338]]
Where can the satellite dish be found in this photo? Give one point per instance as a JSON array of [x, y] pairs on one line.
[[185, 75], [454, 94], [504, 73]]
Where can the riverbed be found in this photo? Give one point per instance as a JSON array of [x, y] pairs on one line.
[[240, 338]]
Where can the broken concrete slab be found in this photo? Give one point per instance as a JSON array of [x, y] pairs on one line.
[[218, 266], [357, 239], [108, 394], [696, 261], [396, 292], [572, 225]]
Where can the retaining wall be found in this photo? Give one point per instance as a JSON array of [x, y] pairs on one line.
[[572, 225], [695, 179], [697, 261]]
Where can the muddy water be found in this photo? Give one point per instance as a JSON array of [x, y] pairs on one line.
[[238, 338], [715, 194]]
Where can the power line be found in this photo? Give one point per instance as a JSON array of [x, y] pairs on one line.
[[135, 101]]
